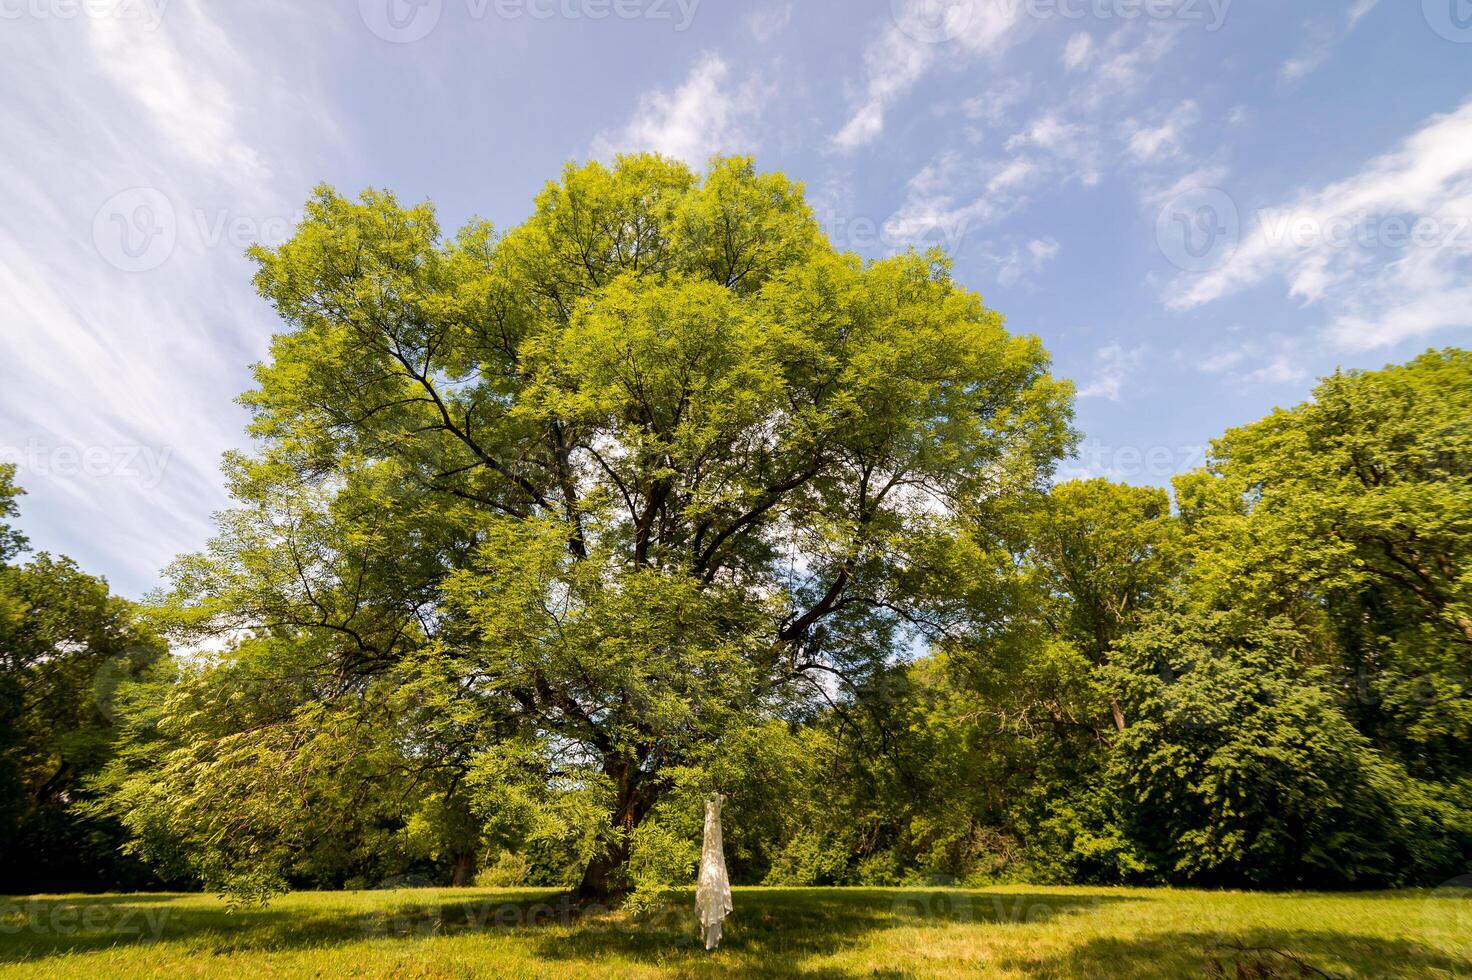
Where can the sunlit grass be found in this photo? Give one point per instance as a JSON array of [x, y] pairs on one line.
[[1016, 931]]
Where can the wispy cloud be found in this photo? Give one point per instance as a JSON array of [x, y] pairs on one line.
[[705, 115], [956, 195], [1167, 138], [1077, 51], [911, 44], [1323, 38], [1388, 249], [1023, 261], [766, 23], [127, 318], [1115, 366], [1274, 360]]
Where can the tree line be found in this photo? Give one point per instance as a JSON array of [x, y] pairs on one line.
[[548, 533]]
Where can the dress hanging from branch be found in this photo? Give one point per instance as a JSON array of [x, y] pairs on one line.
[[713, 892]]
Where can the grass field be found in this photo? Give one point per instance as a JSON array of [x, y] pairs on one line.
[[1005, 932]]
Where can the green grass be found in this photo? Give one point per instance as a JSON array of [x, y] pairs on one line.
[[1007, 932]]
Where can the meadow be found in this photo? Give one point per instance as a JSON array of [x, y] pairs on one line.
[[1008, 931]]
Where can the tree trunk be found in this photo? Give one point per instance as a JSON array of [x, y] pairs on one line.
[[1466, 627], [1118, 713], [606, 878], [464, 873]]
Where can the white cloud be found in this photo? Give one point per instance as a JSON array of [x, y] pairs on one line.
[[1322, 40], [1148, 143], [1422, 293], [1359, 10], [183, 98], [1210, 175], [1304, 64], [993, 106], [1222, 360], [1115, 367], [1388, 249], [1076, 53], [910, 45], [1072, 144], [1013, 175], [1125, 63], [1280, 369], [1024, 261], [768, 22], [935, 209], [1050, 133], [1274, 360], [704, 116]]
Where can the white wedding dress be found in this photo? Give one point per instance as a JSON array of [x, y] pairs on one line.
[[713, 891]]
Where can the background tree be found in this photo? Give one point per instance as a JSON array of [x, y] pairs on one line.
[[67, 646], [1286, 656], [1101, 553]]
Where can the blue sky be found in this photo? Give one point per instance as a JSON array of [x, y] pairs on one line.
[[1199, 205]]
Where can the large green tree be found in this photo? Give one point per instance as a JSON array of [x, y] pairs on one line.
[[627, 481]]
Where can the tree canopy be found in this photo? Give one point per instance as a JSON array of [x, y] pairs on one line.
[[655, 467]]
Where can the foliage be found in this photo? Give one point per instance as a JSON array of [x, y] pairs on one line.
[[1238, 765], [69, 649], [1266, 688], [633, 478]]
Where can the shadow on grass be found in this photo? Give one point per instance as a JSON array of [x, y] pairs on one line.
[[780, 923], [777, 928], [776, 931], [38, 926], [1262, 953]]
